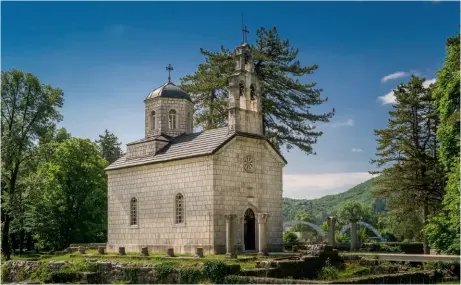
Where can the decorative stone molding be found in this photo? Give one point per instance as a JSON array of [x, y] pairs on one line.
[[249, 163], [262, 218]]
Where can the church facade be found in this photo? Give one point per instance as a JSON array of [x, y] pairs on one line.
[[175, 188]]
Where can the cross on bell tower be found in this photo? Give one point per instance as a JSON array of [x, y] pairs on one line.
[[169, 68], [244, 32]]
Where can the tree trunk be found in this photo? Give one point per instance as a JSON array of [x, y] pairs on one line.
[[425, 241], [5, 237], [21, 241]]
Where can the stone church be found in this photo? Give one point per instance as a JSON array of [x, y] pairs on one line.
[[220, 189]]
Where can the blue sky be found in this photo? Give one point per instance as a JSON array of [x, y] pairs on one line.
[[107, 56]]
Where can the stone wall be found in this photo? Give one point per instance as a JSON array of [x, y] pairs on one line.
[[162, 106], [145, 148], [236, 190], [155, 187], [423, 277], [212, 186]]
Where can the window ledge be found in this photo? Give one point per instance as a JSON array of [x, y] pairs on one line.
[[180, 225], [134, 227]]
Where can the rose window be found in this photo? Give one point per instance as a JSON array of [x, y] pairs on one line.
[[249, 163]]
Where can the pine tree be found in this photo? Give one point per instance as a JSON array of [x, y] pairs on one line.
[[109, 146], [407, 149], [286, 102]]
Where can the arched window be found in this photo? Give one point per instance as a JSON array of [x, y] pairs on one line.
[[179, 209], [152, 115], [241, 89], [252, 92], [172, 119], [133, 212]]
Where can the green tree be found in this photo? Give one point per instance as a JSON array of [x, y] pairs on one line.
[[444, 229], [286, 102], [350, 212], [307, 232], [290, 237], [70, 201], [21, 226], [412, 178], [109, 146], [29, 110]]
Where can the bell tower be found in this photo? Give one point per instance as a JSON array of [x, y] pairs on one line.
[[245, 111]]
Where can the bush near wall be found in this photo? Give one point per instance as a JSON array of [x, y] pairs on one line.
[[405, 247]]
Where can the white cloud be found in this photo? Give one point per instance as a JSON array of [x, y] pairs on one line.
[[428, 82], [389, 98], [346, 123], [311, 186], [357, 150], [395, 75]]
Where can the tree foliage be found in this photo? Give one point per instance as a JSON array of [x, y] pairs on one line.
[[444, 229], [407, 149], [29, 110], [321, 208], [109, 146], [287, 103], [70, 204], [350, 212], [290, 237]]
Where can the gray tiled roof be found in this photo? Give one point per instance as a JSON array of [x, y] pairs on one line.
[[148, 139], [169, 90], [183, 146]]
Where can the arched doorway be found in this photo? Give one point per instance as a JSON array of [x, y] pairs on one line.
[[249, 230]]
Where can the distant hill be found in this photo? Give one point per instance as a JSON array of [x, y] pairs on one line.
[[323, 207]]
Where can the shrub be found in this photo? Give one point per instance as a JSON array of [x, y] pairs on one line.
[[4, 277], [290, 237], [189, 276], [42, 274], [215, 271], [389, 248], [406, 247], [162, 272], [130, 274], [328, 272], [76, 267], [447, 268], [235, 279]]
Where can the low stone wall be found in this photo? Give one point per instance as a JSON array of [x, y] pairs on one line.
[[424, 277], [107, 272], [87, 245], [15, 271], [307, 266]]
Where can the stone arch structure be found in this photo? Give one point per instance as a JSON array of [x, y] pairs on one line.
[[255, 210], [314, 226], [368, 226]]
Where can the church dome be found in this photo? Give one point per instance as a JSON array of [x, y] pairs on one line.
[[169, 90]]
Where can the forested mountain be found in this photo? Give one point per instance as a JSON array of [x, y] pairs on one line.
[[323, 207]]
